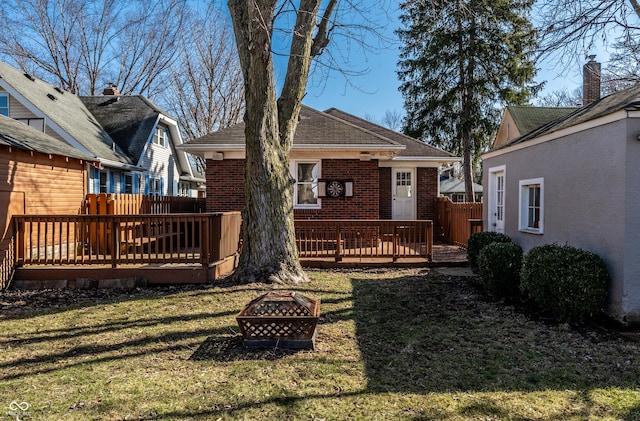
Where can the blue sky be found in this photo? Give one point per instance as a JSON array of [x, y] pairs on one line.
[[377, 92]]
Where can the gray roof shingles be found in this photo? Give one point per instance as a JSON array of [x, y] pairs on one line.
[[16, 134], [332, 128], [129, 120], [65, 110]]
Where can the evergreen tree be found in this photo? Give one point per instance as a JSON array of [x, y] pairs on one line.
[[461, 61]]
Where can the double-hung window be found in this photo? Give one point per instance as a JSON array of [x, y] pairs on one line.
[[127, 188], [306, 174], [4, 104], [160, 136], [532, 205]]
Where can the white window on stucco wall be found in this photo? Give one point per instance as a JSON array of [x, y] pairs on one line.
[[306, 173], [531, 214]]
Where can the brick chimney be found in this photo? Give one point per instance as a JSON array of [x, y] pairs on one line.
[[590, 81], [111, 90]]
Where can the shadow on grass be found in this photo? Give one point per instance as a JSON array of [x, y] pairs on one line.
[[438, 334], [224, 348]]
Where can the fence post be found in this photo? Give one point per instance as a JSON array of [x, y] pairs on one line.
[[338, 242], [115, 249]]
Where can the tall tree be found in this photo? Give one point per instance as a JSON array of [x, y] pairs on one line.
[[80, 45], [459, 61], [269, 252], [261, 27]]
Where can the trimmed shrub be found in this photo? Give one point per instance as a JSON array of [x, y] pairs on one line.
[[499, 265], [568, 282], [476, 243]]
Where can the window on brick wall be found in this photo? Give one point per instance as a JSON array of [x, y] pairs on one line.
[[306, 174]]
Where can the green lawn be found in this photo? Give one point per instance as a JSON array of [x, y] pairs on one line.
[[391, 345]]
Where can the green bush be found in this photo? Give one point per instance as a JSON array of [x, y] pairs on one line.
[[568, 282], [476, 243], [499, 265]]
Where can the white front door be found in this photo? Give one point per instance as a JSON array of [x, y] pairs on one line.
[[403, 194], [496, 199]]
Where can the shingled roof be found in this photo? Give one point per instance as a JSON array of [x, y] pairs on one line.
[[625, 99], [64, 110], [18, 135], [530, 118], [315, 128], [414, 147], [129, 120], [333, 128]]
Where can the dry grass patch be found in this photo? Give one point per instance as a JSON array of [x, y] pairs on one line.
[[401, 345]]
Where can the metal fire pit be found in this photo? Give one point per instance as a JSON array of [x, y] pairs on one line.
[[282, 319]]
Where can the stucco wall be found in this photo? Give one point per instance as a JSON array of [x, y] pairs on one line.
[[591, 201]]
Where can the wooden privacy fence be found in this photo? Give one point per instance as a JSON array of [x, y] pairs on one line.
[[455, 222], [135, 204], [340, 238], [126, 239]]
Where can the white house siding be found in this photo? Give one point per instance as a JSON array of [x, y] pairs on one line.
[[161, 164], [591, 201]]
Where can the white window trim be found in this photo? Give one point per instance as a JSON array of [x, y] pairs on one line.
[[523, 214], [493, 192], [160, 135], [293, 166]]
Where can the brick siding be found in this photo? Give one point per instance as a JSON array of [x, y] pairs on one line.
[[371, 190], [427, 193], [225, 190]]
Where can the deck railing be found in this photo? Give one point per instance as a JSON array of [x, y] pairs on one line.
[[126, 239], [456, 221], [7, 257], [341, 238]]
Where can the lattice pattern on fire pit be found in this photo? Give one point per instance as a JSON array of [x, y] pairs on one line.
[[280, 318]]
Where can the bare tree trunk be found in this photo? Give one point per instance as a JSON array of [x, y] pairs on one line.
[[269, 251]]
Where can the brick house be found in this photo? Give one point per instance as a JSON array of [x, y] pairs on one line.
[[345, 168]]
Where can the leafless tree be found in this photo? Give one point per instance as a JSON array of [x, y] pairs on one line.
[[572, 29], [392, 119], [269, 252], [206, 87], [81, 45], [623, 69], [561, 98]]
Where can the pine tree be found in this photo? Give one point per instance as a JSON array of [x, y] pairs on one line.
[[460, 62]]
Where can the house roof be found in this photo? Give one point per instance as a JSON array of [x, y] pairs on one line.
[[530, 118], [625, 99], [18, 135], [314, 128], [331, 129], [414, 147], [64, 110], [129, 120], [455, 185]]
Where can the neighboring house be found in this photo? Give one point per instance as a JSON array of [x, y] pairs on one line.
[[453, 188], [39, 174], [344, 167], [64, 117], [576, 181], [148, 136], [520, 120]]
